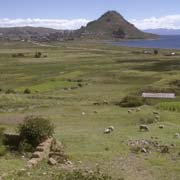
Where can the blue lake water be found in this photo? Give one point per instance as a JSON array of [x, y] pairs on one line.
[[164, 42]]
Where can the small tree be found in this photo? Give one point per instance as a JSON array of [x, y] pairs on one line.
[[34, 130], [27, 91], [132, 101], [156, 51], [38, 55], [2, 147]]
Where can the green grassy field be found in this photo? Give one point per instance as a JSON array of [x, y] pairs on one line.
[[106, 73]]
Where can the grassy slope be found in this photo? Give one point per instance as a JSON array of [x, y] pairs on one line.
[[110, 74]]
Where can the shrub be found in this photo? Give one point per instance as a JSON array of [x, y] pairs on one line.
[[1, 134], [81, 175], [132, 101], [156, 51], [18, 55], [2, 148], [25, 147], [34, 130], [27, 91], [10, 91], [38, 55]]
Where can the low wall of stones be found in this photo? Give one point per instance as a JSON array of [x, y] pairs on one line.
[[42, 152]]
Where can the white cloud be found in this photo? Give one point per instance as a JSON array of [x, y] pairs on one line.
[[50, 23], [168, 22]]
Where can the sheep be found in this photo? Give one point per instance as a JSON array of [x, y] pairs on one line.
[[157, 118], [105, 102], [177, 135], [161, 126], [143, 127], [138, 109], [173, 53], [111, 128], [83, 113], [107, 131]]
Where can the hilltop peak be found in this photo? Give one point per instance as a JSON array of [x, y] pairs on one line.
[[112, 13], [113, 25]]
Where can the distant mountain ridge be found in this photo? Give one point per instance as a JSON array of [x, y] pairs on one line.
[[33, 33], [110, 25], [162, 31]]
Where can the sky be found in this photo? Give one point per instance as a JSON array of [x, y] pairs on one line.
[[71, 14]]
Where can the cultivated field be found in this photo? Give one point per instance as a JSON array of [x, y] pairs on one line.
[[78, 86]]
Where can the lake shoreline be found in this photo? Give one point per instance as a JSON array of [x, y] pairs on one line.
[[171, 42]]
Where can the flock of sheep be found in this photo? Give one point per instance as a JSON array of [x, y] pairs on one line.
[[142, 127]]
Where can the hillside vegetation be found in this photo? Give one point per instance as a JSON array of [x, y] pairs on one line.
[[81, 87]]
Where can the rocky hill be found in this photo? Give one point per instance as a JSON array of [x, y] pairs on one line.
[[113, 25]]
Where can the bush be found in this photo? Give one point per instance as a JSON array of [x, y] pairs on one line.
[[25, 147], [10, 91], [132, 101], [38, 55], [156, 51], [34, 130], [27, 91], [81, 175], [18, 55], [1, 134], [2, 148]]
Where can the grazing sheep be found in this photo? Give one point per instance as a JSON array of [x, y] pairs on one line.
[[161, 126], [107, 131], [111, 128], [129, 111], [83, 113], [177, 135], [157, 117], [138, 109], [105, 102], [143, 127]]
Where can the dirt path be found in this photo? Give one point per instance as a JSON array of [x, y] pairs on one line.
[[11, 119]]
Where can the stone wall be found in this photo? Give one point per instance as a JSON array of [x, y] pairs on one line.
[[42, 152]]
